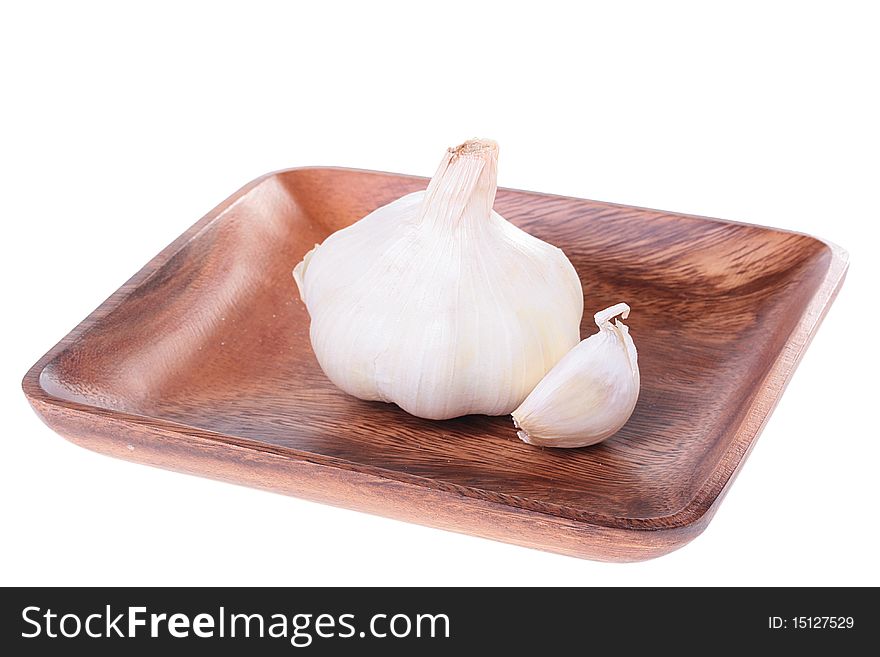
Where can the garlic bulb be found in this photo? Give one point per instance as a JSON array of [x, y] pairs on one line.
[[437, 303], [590, 394]]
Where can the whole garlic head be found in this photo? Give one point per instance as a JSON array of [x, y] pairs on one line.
[[437, 303], [590, 394]]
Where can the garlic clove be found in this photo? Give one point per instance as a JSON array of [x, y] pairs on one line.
[[299, 272], [590, 393]]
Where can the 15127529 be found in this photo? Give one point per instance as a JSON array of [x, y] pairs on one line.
[[811, 623]]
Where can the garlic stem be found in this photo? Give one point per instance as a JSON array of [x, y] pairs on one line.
[[463, 188], [605, 316]]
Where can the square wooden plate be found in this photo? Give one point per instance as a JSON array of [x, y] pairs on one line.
[[201, 363]]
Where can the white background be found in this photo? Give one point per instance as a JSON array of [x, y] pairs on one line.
[[121, 126]]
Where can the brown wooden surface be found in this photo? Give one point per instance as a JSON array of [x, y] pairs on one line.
[[201, 363]]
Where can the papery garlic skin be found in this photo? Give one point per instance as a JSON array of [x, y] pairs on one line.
[[590, 394], [437, 303]]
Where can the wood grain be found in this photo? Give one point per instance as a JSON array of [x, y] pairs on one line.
[[201, 363]]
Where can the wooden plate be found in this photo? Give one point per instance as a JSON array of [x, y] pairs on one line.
[[201, 363]]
